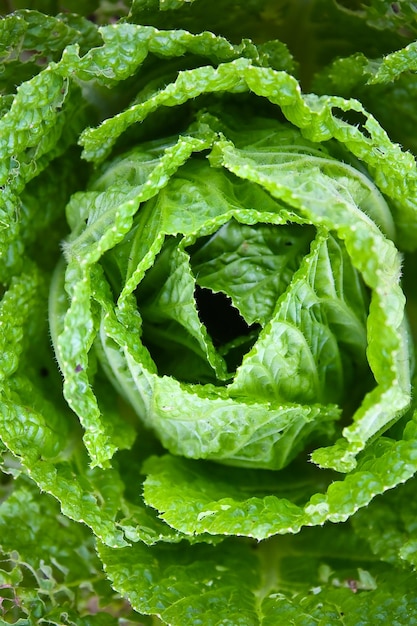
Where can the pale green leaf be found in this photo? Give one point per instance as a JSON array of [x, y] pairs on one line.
[[299, 356], [79, 327], [204, 422], [194, 498], [394, 64], [394, 170], [329, 203]]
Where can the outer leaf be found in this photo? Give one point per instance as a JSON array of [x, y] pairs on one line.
[[305, 580], [75, 338], [185, 584], [315, 34], [394, 64], [38, 429], [94, 497], [30, 40], [17, 305], [314, 116], [41, 132], [388, 523], [397, 16], [354, 77], [193, 498], [126, 46], [52, 573]]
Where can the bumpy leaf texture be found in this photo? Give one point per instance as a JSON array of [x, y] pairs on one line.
[[208, 211]]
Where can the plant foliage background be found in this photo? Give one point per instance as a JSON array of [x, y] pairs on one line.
[[208, 225]]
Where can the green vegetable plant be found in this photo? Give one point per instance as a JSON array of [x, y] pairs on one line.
[[208, 220]]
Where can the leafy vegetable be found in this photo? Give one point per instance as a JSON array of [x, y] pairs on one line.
[[209, 212]]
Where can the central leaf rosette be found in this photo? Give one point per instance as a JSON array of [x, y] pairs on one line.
[[254, 329], [241, 293], [245, 297]]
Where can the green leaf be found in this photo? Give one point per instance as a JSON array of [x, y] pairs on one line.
[[388, 525], [185, 584], [170, 317], [204, 507], [92, 496], [315, 116], [17, 305], [204, 422], [51, 570], [396, 16], [297, 357], [194, 498], [77, 330], [303, 580], [36, 143], [394, 64], [253, 265], [317, 197]]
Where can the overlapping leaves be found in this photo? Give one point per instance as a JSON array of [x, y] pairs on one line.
[[302, 198]]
